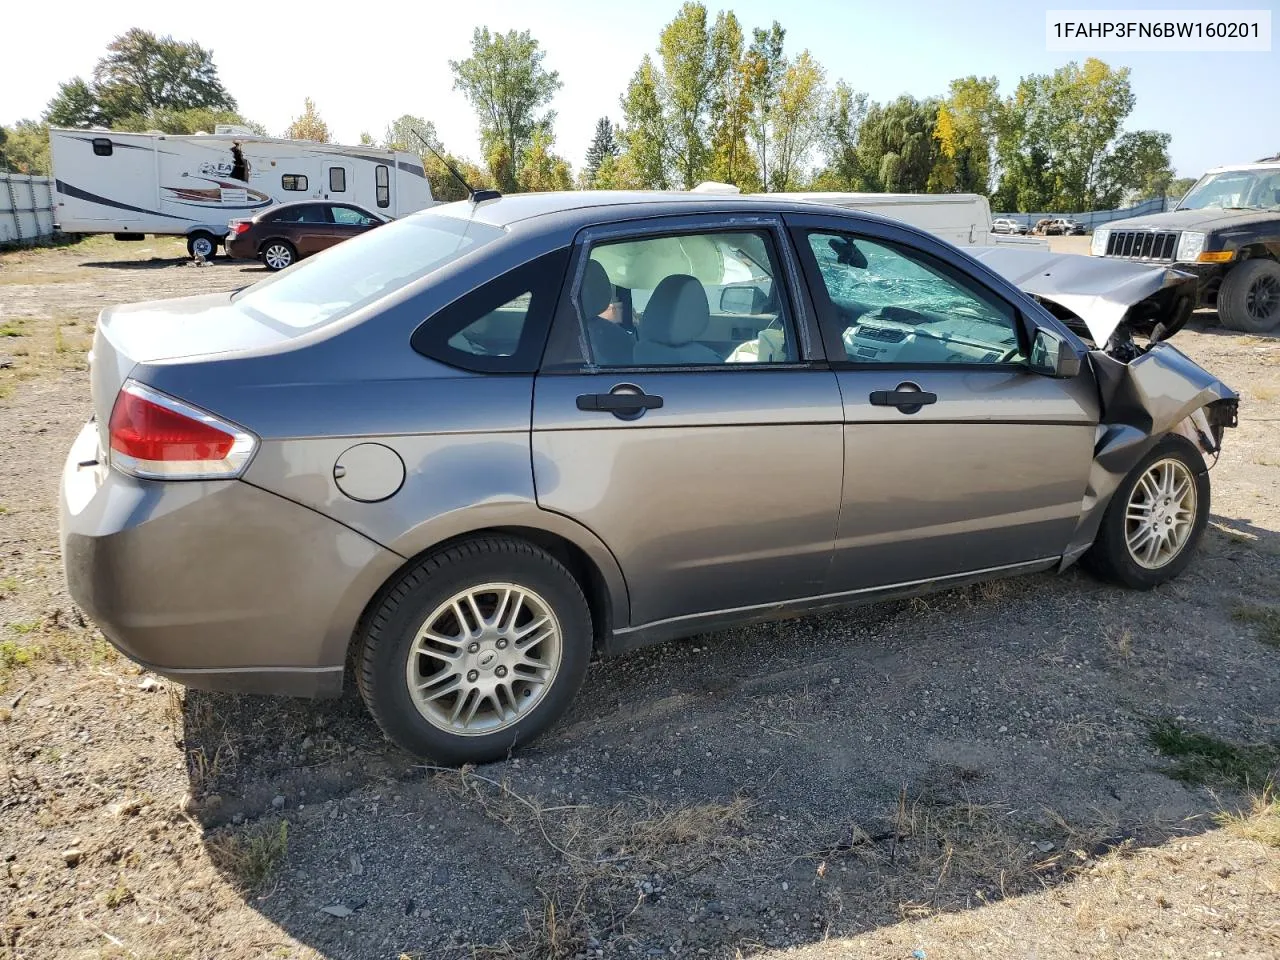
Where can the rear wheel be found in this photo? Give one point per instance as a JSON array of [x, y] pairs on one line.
[[202, 245], [278, 254], [1249, 298], [1155, 519], [478, 648]]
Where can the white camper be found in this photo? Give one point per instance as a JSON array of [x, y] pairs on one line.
[[962, 219], [131, 184]]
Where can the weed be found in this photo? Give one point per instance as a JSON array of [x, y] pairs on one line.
[[1260, 822], [12, 330], [3, 510], [24, 627], [1204, 759], [1264, 393], [59, 344], [1119, 641], [14, 654], [1266, 619], [118, 896], [251, 856]]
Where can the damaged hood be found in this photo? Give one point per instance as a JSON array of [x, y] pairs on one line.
[[1099, 290]]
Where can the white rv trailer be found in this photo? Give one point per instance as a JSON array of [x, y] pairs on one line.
[[962, 219], [131, 184]]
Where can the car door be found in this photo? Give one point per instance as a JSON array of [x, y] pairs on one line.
[[711, 470], [349, 222], [958, 458]]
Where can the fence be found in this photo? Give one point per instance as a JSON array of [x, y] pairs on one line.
[[1096, 218], [26, 208]]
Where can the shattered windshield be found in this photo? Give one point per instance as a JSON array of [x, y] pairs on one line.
[[1235, 190]]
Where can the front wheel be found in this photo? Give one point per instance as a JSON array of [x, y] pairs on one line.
[[1249, 298], [479, 647], [278, 254], [1155, 519]]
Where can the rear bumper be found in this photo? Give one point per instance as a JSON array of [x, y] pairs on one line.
[[241, 247], [215, 584]]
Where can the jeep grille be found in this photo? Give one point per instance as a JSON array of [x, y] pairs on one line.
[[1142, 244]]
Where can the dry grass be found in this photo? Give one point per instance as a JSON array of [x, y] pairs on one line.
[[1265, 619], [49, 640], [250, 857], [1260, 821]]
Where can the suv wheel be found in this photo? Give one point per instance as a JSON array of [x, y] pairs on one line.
[[1249, 298], [479, 647]]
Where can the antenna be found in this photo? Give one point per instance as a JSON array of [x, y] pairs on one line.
[[476, 196]]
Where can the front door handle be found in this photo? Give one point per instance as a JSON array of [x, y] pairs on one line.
[[619, 402], [907, 397]]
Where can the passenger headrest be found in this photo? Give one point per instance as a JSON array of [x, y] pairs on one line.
[[597, 291], [677, 313]]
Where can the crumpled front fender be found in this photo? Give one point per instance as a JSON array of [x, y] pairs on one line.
[[1158, 393]]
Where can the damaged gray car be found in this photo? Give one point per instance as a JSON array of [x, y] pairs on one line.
[[464, 453]]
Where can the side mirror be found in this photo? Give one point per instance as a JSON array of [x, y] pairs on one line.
[[1052, 356]]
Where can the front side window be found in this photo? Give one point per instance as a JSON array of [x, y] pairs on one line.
[[382, 184], [891, 304], [306, 213], [337, 179], [500, 327], [694, 299], [293, 181], [351, 217]]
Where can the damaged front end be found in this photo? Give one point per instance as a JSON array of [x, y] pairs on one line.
[[1147, 390]]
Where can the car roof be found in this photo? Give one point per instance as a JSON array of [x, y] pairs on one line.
[[574, 210], [290, 204]]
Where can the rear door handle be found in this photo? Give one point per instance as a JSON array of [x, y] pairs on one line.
[[907, 400], [619, 402]]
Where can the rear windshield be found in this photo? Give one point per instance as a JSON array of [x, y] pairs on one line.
[[357, 272]]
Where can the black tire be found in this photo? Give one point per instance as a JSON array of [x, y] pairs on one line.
[[199, 241], [277, 254], [388, 635], [1110, 557], [1249, 298]]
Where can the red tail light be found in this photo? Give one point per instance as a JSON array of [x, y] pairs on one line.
[[157, 437], [240, 226]]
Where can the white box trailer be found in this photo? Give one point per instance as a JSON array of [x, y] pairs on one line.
[[132, 184], [962, 219]]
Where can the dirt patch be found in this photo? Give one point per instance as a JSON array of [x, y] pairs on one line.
[[970, 773]]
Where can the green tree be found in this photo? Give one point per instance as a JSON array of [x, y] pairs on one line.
[[797, 120], [603, 145], [731, 160], [842, 117], [541, 168], [25, 148], [308, 126], [189, 121], [405, 131], [965, 131], [689, 65], [507, 84], [1059, 134], [142, 73], [896, 148], [1138, 168], [74, 105], [366, 139], [642, 164], [763, 67], [1178, 188]]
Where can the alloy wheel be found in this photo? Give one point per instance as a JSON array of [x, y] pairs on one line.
[[202, 247], [277, 256], [484, 659], [1263, 300], [1161, 513]]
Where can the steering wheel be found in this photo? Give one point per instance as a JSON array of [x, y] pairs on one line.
[[1009, 354]]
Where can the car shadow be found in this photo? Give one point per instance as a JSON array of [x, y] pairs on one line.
[[161, 263], [767, 786], [1206, 321]]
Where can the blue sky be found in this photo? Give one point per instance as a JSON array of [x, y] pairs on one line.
[[365, 64]]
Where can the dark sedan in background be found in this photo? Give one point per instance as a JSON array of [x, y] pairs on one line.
[[284, 234]]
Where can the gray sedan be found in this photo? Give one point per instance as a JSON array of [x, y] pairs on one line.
[[469, 450]]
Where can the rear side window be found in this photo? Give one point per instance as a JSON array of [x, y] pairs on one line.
[[311, 213], [382, 183], [501, 327], [337, 179], [102, 147], [293, 181]]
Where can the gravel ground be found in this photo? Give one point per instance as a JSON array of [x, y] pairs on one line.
[[972, 768]]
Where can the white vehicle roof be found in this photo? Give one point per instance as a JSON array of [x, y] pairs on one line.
[[1232, 167]]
